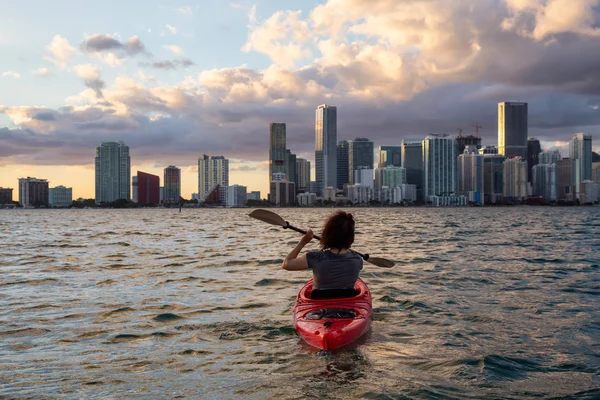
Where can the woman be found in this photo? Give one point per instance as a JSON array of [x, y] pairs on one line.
[[335, 267]]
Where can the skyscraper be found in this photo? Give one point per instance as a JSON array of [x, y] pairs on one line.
[[515, 180], [277, 150], [343, 175], [33, 192], [134, 189], [303, 175], [439, 166], [326, 146], [565, 182], [172, 184], [391, 176], [6, 196], [360, 154], [412, 160], [512, 129], [493, 179], [60, 196], [290, 162], [212, 172], [549, 157], [390, 156], [113, 172], [544, 181], [534, 148], [148, 188], [471, 175], [580, 151]]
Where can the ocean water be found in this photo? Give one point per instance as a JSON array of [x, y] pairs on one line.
[[494, 303]]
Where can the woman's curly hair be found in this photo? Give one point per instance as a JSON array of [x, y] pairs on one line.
[[338, 231]]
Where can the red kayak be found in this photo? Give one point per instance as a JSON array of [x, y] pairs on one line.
[[332, 323]]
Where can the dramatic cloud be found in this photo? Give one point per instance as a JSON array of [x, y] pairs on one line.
[[61, 50], [395, 69], [11, 74], [111, 50], [43, 72]]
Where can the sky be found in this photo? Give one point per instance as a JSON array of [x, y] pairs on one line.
[[176, 80]]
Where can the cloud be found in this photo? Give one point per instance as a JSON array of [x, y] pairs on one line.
[[168, 64], [43, 72], [173, 49], [91, 76], [393, 69], [171, 29], [112, 50], [187, 11], [61, 50], [11, 74]]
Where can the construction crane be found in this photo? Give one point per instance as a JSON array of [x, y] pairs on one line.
[[477, 127]]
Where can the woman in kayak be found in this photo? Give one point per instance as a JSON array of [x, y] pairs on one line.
[[335, 267]]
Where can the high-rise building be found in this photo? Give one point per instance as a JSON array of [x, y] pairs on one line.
[[172, 184], [303, 175], [290, 161], [283, 193], [512, 129], [237, 196], [113, 172], [391, 176], [213, 171], [364, 176], [343, 173], [515, 180], [277, 150], [544, 181], [488, 150], [596, 172], [6, 196], [565, 180], [360, 154], [470, 140], [493, 180], [549, 157], [439, 166], [326, 146], [60, 196], [412, 161], [390, 156], [534, 148], [580, 151], [471, 175], [254, 195], [33, 192], [134, 189], [148, 188]]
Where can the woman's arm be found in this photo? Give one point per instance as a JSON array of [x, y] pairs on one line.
[[294, 263]]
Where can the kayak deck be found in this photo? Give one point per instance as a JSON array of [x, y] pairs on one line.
[[332, 323]]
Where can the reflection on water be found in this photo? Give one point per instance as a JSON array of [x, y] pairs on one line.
[[482, 303]]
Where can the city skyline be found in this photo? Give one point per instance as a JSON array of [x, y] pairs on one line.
[[172, 94]]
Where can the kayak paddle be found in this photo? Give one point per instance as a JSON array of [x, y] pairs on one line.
[[274, 219]]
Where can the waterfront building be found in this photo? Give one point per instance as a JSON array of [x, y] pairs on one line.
[[306, 199], [326, 146], [195, 196], [134, 189], [360, 155], [303, 175], [282, 193], [33, 192], [589, 192], [60, 197], [291, 173], [544, 181], [515, 180], [412, 161], [172, 184], [390, 176], [549, 157], [237, 196], [471, 175], [409, 192], [580, 151], [596, 172], [512, 129], [359, 194], [113, 172], [565, 180], [343, 168], [254, 195], [439, 166], [534, 148], [364, 176], [277, 149], [329, 193], [448, 201], [148, 188], [212, 172], [493, 181], [6, 196]]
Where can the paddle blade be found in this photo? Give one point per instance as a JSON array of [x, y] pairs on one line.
[[381, 262], [269, 217]]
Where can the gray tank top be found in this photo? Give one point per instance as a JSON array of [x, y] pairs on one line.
[[334, 271]]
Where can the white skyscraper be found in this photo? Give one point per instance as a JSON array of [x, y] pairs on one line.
[[113, 172], [326, 147], [213, 171], [471, 175], [364, 176], [515, 179], [439, 166]]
